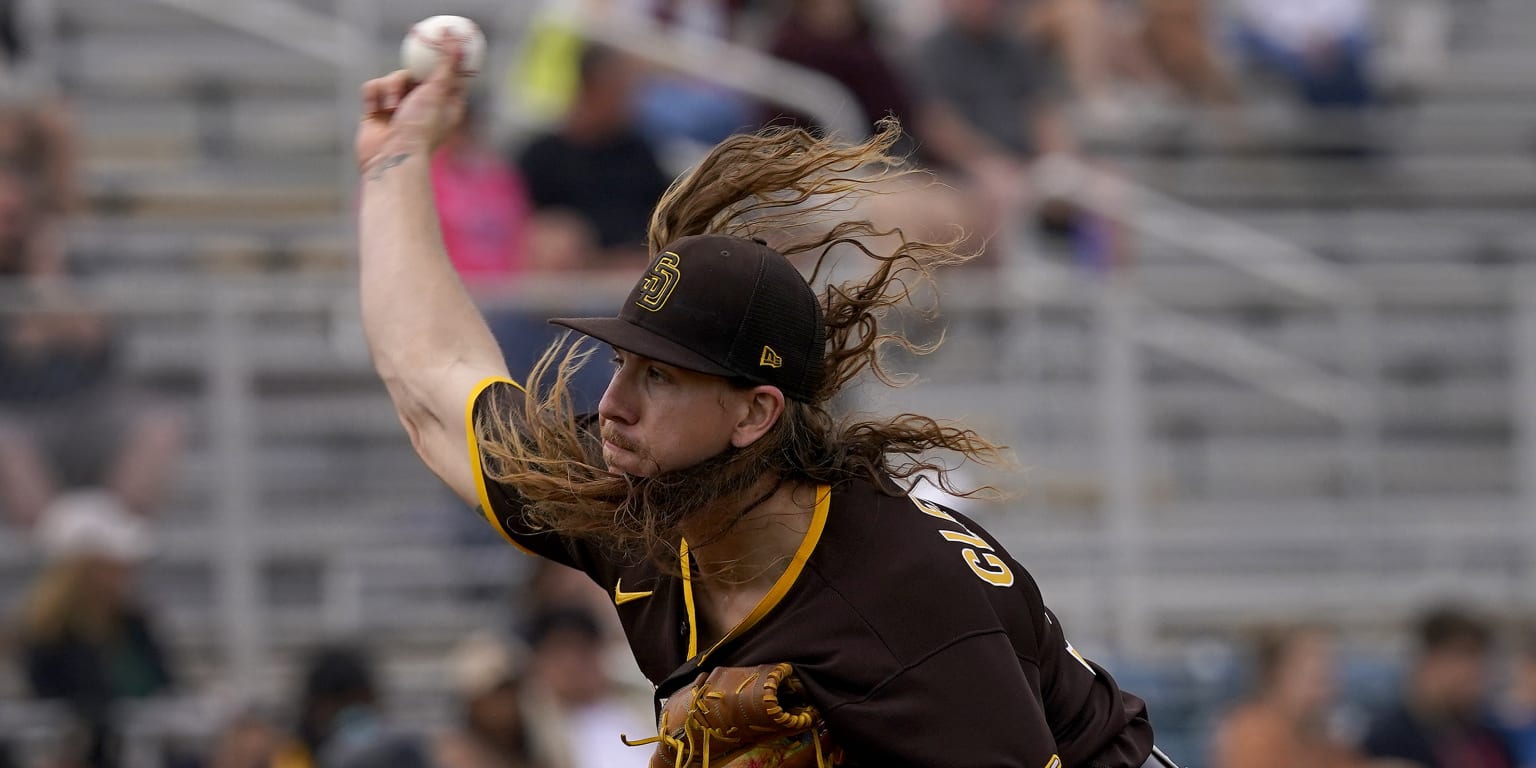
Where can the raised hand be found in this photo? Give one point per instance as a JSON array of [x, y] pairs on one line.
[[402, 117]]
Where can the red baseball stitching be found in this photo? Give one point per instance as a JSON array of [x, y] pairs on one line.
[[465, 40]]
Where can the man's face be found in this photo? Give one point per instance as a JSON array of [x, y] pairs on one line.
[[660, 418], [1456, 677]]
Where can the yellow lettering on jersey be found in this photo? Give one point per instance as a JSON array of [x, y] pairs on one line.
[[996, 572], [932, 510], [1055, 762], [966, 538]]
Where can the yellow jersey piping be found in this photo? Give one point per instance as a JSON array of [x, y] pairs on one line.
[[780, 588], [476, 462]]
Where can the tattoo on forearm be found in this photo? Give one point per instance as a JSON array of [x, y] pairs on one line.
[[387, 163]]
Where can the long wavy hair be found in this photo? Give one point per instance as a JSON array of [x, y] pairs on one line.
[[800, 193]]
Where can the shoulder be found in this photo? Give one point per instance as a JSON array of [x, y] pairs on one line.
[[891, 557], [869, 521]]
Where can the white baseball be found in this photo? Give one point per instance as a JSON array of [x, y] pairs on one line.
[[419, 52]]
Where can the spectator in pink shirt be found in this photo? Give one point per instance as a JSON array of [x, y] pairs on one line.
[[493, 236], [482, 206]]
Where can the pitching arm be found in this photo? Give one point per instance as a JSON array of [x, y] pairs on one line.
[[430, 344]]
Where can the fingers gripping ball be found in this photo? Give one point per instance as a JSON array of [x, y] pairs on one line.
[[420, 52]]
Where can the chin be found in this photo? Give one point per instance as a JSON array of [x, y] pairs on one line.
[[624, 463]]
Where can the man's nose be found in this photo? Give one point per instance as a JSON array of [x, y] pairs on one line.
[[616, 405]]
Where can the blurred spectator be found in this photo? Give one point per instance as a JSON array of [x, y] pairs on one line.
[[675, 106], [1285, 722], [1321, 48], [250, 741], [1519, 711], [1103, 44], [1440, 721], [838, 39], [493, 731], [38, 143], [596, 165], [990, 97], [1090, 41], [492, 238], [482, 207], [1176, 37], [989, 105], [11, 49], [573, 696], [87, 638], [341, 720], [554, 587], [712, 18], [56, 372]]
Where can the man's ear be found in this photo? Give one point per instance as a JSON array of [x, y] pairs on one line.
[[763, 411]]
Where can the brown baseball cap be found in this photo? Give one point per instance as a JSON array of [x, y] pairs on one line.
[[725, 306]]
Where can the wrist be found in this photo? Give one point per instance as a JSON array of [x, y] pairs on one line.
[[393, 154]]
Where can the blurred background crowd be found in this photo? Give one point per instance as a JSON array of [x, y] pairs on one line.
[[1250, 302]]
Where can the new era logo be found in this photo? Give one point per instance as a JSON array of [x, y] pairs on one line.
[[770, 358]]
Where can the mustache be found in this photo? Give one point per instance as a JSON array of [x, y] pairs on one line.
[[611, 435]]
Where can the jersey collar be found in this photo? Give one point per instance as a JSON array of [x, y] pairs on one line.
[[775, 595]]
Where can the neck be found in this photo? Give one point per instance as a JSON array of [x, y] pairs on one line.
[[758, 547]]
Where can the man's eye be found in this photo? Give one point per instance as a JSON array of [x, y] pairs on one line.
[[655, 374], [616, 361]]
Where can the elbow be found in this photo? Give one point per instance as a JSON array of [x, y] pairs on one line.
[[411, 409]]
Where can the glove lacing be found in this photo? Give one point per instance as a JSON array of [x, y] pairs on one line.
[[685, 747]]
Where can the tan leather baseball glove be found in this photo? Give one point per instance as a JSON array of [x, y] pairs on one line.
[[742, 717]]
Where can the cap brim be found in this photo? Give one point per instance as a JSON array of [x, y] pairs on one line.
[[622, 334]]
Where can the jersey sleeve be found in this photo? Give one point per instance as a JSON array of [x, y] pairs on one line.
[[499, 504], [1093, 721]]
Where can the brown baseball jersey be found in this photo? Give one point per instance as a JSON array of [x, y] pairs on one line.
[[919, 638]]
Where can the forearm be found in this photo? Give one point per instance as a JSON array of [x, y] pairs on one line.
[[419, 320]]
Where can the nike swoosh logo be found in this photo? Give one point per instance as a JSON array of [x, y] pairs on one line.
[[621, 597]]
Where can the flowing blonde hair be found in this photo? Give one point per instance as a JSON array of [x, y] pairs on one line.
[[797, 191]]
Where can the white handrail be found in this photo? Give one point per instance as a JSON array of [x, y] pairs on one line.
[[1220, 349], [290, 25], [1276, 261], [339, 41]]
